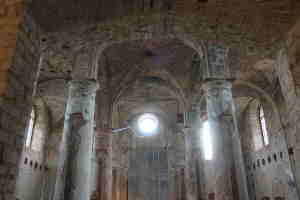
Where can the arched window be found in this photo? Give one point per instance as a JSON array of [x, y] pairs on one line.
[[258, 125], [263, 125], [30, 129], [37, 127]]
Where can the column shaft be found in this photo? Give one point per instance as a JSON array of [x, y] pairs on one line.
[[227, 152], [104, 157], [218, 170], [227, 167], [74, 172]]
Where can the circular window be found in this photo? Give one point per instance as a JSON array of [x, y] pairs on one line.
[[148, 124]]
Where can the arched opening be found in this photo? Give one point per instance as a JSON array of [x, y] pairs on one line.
[[238, 30], [257, 125], [152, 86]]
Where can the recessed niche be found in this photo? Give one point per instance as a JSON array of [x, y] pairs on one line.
[[44, 39], [275, 157], [281, 155], [291, 151], [269, 159]]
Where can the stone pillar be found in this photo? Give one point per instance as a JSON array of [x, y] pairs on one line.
[[193, 172], [179, 183], [218, 174], [172, 184], [104, 158], [226, 145], [117, 184], [122, 185], [74, 170], [124, 190]]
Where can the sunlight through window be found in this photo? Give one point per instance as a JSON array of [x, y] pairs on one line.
[[148, 124], [207, 141], [30, 129], [263, 126]]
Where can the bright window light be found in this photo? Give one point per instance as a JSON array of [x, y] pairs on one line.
[[30, 129], [207, 141], [263, 126], [148, 124]]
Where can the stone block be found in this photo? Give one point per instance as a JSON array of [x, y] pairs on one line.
[[3, 170], [6, 138], [11, 156], [9, 196]]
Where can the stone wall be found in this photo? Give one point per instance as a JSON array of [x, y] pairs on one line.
[[269, 169], [10, 17], [288, 59], [16, 102], [32, 165]]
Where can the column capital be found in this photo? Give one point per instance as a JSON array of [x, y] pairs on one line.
[[216, 56], [84, 87]]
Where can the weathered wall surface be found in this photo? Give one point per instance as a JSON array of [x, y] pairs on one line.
[[32, 164], [11, 12], [288, 60], [18, 77], [31, 176], [269, 169], [271, 177]]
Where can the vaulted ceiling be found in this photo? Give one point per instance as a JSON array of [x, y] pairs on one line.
[[252, 29], [56, 15]]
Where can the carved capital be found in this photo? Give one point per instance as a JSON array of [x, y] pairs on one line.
[[83, 87]]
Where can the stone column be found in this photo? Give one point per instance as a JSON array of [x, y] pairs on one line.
[[123, 185], [103, 143], [179, 183], [74, 170], [194, 179], [226, 146], [117, 184], [104, 158], [218, 174], [172, 184]]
